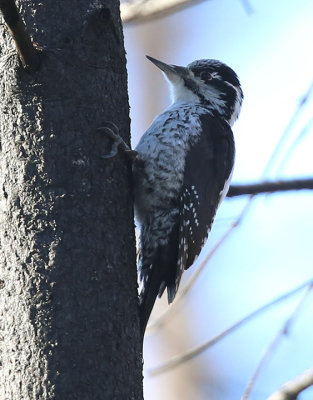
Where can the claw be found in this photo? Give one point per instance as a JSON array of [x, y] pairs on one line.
[[117, 140], [112, 153], [112, 131]]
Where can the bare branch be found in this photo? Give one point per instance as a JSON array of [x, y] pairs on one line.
[[25, 46], [284, 330], [270, 187], [145, 10], [180, 359], [291, 389]]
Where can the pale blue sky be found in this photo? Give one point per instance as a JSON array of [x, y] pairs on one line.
[[271, 251]]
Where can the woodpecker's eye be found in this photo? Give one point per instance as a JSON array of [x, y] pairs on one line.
[[206, 76]]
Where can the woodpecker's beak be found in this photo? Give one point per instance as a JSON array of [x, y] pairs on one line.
[[170, 71]]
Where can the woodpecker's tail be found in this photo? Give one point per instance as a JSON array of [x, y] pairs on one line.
[[148, 295], [157, 272]]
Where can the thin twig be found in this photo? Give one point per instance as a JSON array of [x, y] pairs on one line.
[[140, 11], [284, 330], [247, 6], [180, 359], [135, 11], [270, 187], [291, 389], [24, 44], [303, 101], [302, 134]]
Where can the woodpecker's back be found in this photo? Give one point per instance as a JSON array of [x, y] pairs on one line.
[[182, 173]]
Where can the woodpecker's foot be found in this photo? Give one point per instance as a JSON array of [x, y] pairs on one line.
[[112, 131]]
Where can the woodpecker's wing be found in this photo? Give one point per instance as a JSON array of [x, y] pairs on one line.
[[208, 169]]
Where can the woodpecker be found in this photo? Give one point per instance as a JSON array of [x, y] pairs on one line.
[[182, 172]]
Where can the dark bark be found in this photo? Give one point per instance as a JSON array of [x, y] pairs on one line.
[[68, 286]]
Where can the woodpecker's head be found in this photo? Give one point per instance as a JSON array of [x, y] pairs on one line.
[[208, 82]]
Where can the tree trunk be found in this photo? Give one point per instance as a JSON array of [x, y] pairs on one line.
[[68, 284]]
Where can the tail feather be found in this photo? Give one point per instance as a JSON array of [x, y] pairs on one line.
[[148, 295], [157, 275], [157, 266]]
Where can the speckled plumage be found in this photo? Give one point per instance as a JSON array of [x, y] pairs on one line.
[[183, 169]]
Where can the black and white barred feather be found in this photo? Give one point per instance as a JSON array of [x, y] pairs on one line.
[[182, 173]]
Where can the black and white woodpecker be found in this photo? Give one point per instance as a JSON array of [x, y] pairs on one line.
[[182, 170], [186, 160]]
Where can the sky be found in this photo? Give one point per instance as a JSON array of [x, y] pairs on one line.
[[270, 252]]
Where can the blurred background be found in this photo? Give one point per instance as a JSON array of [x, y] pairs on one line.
[[270, 46]]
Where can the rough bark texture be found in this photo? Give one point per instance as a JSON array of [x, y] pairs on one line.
[[68, 296]]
